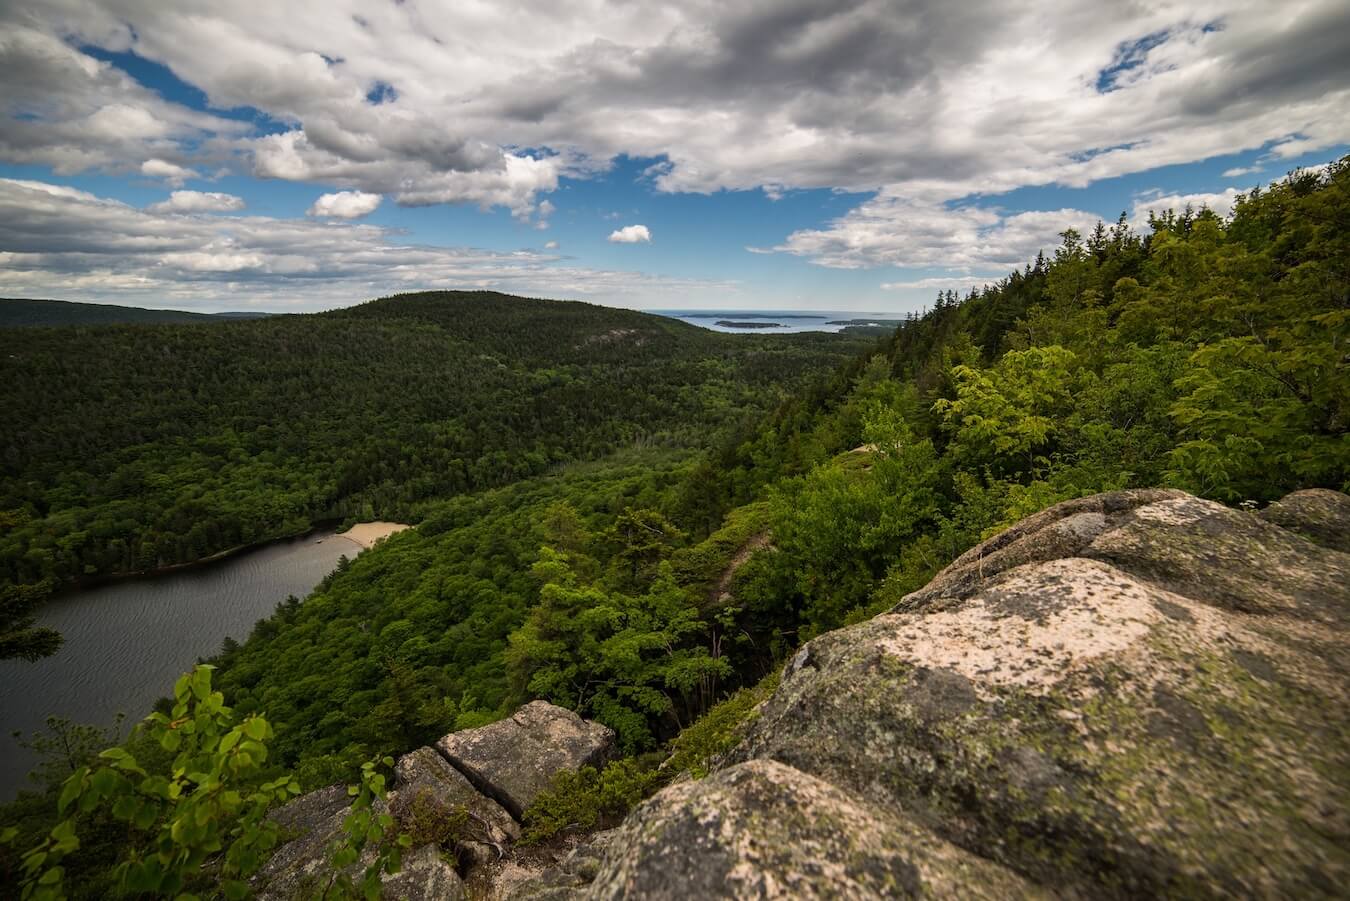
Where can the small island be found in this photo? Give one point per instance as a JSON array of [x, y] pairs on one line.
[[734, 323], [875, 322]]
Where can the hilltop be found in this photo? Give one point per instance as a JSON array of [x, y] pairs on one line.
[[130, 447], [24, 313], [1047, 586]]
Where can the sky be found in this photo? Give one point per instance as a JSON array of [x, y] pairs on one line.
[[798, 154]]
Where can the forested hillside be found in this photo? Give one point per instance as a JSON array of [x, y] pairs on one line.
[[643, 588], [18, 312], [132, 447], [1207, 355]]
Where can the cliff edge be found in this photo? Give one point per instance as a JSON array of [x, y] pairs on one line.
[[1138, 693]]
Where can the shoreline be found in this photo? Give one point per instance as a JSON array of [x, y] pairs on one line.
[[364, 540]]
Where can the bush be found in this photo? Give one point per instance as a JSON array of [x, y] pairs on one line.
[[587, 798]]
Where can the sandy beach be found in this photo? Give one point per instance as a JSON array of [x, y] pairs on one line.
[[366, 534]]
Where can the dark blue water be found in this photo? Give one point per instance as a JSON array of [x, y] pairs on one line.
[[126, 642]]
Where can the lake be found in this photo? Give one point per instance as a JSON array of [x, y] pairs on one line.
[[784, 321], [127, 641]]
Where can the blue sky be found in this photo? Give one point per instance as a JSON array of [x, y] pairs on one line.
[[812, 156]]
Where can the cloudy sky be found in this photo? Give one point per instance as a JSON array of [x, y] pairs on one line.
[[821, 154]]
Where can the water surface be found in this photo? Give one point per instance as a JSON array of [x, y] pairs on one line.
[[127, 641], [786, 322]]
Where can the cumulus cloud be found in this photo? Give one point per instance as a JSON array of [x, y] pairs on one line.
[[198, 202], [859, 94], [933, 108], [942, 283], [894, 229], [631, 234], [550, 245], [63, 242], [345, 205], [65, 109], [1240, 170], [172, 173], [1220, 202]]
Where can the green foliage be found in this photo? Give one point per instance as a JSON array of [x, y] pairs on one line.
[[589, 798], [718, 730], [19, 636], [128, 448], [63, 747], [210, 805], [1209, 355], [408, 642], [586, 798], [364, 826], [628, 660]]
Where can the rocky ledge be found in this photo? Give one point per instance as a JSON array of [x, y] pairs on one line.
[[459, 801], [1134, 694], [1139, 693]]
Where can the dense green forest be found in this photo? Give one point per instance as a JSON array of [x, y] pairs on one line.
[[643, 587], [131, 447], [21, 312], [1208, 355]]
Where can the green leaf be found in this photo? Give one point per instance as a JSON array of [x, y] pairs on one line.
[[71, 790], [201, 682]]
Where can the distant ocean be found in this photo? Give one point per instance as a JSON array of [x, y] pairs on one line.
[[779, 321]]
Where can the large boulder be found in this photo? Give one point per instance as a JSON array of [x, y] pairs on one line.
[[513, 760], [302, 867], [1317, 513], [310, 825], [765, 830], [434, 803], [1134, 694]]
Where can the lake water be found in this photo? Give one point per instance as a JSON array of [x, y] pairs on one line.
[[785, 321], [127, 641]]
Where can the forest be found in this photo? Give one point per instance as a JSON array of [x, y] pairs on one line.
[[656, 584], [132, 447]]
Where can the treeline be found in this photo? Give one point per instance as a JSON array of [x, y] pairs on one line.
[[1208, 355], [131, 447]]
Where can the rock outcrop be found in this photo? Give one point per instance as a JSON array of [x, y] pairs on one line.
[[1318, 514], [446, 798], [764, 830], [1134, 694], [514, 759], [434, 802]]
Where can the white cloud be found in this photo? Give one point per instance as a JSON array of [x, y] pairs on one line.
[[631, 234], [1241, 170], [858, 94], [345, 205], [65, 243], [942, 283], [1220, 202], [550, 245], [198, 202], [911, 232], [172, 173], [935, 107]]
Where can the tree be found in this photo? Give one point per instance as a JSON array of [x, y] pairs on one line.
[[212, 802], [19, 636]]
